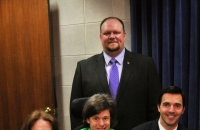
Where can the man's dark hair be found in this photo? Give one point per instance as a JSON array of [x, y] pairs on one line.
[[98, 103], [172, 90], [113, 18]]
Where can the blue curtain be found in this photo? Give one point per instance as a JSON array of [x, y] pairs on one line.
[[169, 31]]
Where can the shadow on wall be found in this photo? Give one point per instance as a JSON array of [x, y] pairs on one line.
[[56, 62]]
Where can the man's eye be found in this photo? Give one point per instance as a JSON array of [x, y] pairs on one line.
[[106, 34], [178, 105], [166, 104], [116, 32]]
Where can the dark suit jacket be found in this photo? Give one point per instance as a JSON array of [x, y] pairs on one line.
[[137, 93], [153, 125]]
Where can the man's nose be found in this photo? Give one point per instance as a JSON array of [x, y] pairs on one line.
[[171, 109], [112, 35]]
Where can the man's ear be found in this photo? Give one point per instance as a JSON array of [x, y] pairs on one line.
[[183, 110], [158, 106], [124, 34]]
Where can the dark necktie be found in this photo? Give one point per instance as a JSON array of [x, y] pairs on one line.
[[114, 78]]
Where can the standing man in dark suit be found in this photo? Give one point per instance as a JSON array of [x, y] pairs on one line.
[[139, 83], [171, 106]]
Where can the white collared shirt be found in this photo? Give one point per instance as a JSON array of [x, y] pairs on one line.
[[162, 128]]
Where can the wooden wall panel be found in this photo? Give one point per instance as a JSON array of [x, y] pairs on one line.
[[25, 62]]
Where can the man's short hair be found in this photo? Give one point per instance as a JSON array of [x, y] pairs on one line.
[[171, 90], [113, 18]]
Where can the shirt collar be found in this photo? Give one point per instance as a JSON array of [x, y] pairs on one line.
[[162, 128], [119, 57]]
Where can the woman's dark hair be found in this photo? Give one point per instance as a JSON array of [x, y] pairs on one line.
[[98, 103]]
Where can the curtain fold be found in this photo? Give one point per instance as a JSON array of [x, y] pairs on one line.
[[194, 65], [169, 31]]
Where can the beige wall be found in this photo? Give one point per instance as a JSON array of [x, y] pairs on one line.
[[75, 29]]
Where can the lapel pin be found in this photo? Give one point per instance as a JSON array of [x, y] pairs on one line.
[[128, 63]]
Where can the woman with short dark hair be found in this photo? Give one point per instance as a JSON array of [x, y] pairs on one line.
[[99, 112]]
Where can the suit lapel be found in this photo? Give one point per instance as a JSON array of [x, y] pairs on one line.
[[154, 125], [101, 72], [126, 71], [180, 127]]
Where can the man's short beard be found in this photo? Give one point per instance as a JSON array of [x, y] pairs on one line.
[[113, 49]]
